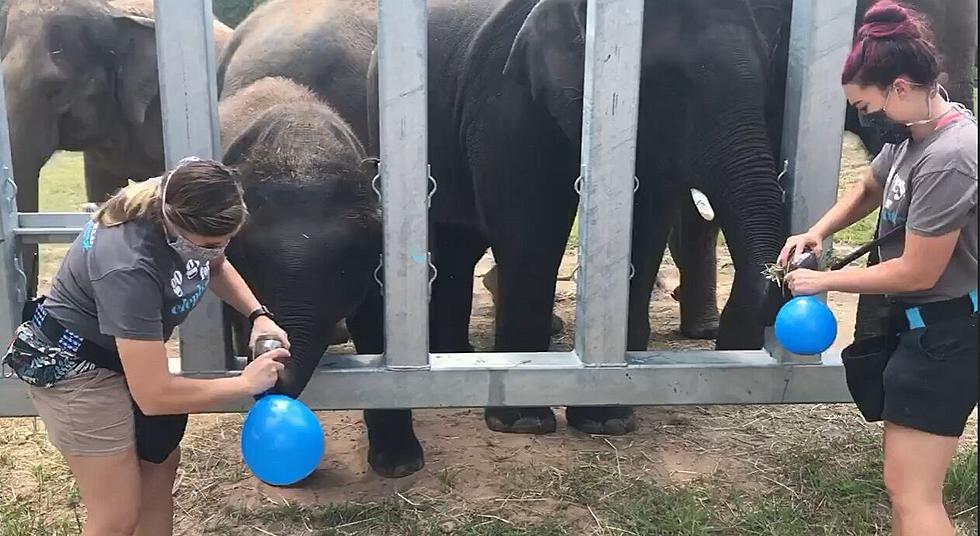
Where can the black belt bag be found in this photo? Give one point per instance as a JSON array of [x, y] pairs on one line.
[[865, 360], [56, 333]]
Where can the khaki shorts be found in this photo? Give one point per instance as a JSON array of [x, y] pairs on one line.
[[90, 414]]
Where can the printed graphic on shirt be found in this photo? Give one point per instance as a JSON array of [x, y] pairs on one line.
[[892, 209], [88, 235], [188, 286]]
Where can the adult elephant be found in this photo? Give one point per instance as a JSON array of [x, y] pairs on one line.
[[81, 75], [323, 44], [955, 25], [313, 263], [505, 115]]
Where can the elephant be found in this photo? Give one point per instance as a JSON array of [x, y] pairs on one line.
[[330, 59], [505, 116], [325, 45], [313, 262], [955, 25], [81, 75]]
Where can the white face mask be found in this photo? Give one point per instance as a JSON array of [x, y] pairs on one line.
[[185, 249]]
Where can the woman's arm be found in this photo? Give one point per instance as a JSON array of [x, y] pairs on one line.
[[227, 284], [919, 268], [859, 201], [158, 392]]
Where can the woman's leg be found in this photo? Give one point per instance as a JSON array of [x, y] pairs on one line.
[[915, 469], [157, 513], [110, 490]]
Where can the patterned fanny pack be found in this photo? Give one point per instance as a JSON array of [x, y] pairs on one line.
[[37, 361]]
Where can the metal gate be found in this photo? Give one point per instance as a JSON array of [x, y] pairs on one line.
[[599, 371]]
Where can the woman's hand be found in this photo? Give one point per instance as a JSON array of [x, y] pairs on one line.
[[797, 244], [803, 282], [266, 326], [261, 374]]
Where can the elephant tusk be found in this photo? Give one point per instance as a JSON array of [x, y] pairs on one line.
[[702, 204]]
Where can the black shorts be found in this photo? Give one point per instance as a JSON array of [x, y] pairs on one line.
[[157, 436], [930, 381]]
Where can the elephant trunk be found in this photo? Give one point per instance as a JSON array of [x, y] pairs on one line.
[[750, 203], [309, 337]]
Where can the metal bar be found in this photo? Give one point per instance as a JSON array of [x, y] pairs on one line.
[[820, 38], [460, 380], [189, 104], [614, 32], [403, 105], [50, 227], [13, 283]]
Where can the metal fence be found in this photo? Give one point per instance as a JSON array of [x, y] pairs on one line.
[[599, 371]]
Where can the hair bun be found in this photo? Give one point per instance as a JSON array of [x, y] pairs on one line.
[[888, 19]]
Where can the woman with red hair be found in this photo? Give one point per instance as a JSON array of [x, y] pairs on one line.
[[925, 183]]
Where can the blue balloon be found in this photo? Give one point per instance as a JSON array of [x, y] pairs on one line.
[[282, 440], [806, 326]]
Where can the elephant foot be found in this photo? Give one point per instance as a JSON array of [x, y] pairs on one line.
[[700, 330], [340, 334], [393, 449], [608, 420], [557, 325], [396, 457], [520, 420]]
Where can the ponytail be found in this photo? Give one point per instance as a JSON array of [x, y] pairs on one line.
[[136, 201]]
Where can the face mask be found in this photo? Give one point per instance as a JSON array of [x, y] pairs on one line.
[[186, 249], [889, 130]]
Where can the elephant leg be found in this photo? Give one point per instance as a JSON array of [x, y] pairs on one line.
[[490, 283], [652, 219], [528, 243], [100, 180], [393, 449], [27, 201], [693, 246], [456, 251], [340, 333], [527, 294]]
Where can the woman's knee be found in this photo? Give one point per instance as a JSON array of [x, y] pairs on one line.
[[119, 521], [907, 493]]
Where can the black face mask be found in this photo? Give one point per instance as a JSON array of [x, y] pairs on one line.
[[889, 131]]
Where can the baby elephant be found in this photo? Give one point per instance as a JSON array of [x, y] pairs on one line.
[[313, 238]]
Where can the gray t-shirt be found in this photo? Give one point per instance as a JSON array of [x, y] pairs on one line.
[[931, 187], [125, 281]]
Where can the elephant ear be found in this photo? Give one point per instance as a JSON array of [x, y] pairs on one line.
[[548, 53], [137, 83]]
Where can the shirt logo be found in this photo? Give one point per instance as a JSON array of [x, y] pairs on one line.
[[896, 191], [88, 235], [175, 284]]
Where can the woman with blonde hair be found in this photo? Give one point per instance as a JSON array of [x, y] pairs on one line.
[[93, 354]]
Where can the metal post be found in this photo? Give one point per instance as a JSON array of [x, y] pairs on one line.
[[13, 282], [820, 39], [403, 105], [189, 104], [614, 32]]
